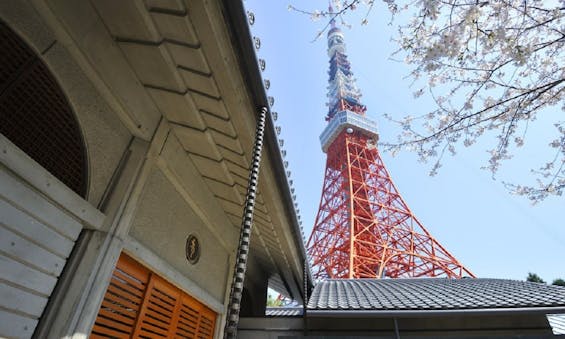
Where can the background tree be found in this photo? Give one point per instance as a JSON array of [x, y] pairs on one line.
[[558, 282], [491, 67], [532, 277], [273, 301]]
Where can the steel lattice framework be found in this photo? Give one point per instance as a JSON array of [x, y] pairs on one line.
[[364, 229]]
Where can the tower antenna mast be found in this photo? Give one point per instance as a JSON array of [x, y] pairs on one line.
[[363, 227]]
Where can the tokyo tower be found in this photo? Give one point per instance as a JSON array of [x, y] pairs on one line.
[[363, 228]]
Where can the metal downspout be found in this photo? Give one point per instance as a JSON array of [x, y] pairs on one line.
[[305, 302], [232, 318]]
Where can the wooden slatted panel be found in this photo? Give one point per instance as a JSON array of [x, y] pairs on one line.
[[188, 319], [140, 304], [207, 323], [122, 302], [159, 307], [195, 319]]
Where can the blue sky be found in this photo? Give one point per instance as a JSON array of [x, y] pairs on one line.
[[493, 233]]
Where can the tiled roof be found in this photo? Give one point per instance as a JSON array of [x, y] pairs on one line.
[[433, 294], [283, 312], [557, 323]]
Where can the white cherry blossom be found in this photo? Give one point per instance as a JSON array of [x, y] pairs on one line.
[[490, 66]]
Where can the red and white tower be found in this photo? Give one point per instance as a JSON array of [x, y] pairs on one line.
[[363, 228]]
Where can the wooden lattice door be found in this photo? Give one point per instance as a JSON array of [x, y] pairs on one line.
[[140, 304]]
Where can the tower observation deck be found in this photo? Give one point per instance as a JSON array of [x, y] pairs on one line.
[[363, 227]]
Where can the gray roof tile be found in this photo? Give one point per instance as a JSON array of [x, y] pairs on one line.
[[433, 294], [557, 323], [283, 312]]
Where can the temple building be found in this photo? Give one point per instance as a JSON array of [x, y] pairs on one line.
[[127, 131]]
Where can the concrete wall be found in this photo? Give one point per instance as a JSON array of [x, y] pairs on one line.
[[42, 219], [105, 136], [168, 122], [145, 196], [162, 223]]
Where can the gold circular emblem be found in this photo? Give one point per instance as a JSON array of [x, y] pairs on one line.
[[192, 249]]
